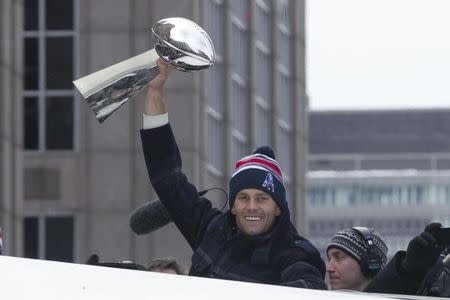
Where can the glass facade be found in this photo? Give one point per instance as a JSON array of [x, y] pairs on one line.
[[285, 103], [215, 90], [239, 62], [224, 98], [49, 237], [49, 35], [378, 195], [263, 72], [258, 56], [399, 208]]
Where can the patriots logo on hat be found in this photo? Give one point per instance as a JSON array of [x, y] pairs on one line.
[[268, 183]]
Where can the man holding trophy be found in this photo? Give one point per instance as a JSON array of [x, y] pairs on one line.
[[254, 240]]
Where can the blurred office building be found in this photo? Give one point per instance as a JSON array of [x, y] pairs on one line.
[[68, 183], [389, 170]]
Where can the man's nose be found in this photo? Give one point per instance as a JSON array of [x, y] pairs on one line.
[[330, 267], [252, 205]]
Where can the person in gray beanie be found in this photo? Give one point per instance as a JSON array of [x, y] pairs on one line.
[[355, 256], [357, 261]]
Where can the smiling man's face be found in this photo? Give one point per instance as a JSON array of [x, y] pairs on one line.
[[255, 211]]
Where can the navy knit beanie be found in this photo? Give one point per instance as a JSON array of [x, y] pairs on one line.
[[259, 171]]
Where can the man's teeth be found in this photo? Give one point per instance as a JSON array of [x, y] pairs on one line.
[[253, 218]]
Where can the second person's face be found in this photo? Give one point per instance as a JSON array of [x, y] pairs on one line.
[[255, 211], [344, 272]]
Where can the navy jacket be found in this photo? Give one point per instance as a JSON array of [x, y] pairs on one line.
[[280, 256]]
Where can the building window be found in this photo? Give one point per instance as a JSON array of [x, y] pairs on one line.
[[284, 34], [262, 20], [262, 70], [239, 118], [285, 154], [262, 130], [50, 238], [240, 9], [215, 138], [378, 195], [285, 44], [240, 109], [285, 96], [49, 43], [239, 40], [442, 195], [215, 80], [285, 87], [238, 146], [322, 196]]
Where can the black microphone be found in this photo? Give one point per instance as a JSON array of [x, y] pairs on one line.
[[153, 215], [149, 217]]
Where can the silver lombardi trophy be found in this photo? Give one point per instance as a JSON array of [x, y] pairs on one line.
[[179, 41]]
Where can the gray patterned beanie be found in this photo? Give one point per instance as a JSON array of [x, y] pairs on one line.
[[352, 242]]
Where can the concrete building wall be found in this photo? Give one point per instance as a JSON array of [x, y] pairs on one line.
[[11, 184], [103, 178]]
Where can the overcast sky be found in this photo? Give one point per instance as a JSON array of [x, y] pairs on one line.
[[364, 54]]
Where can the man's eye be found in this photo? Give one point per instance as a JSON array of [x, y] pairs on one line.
[[340, 257]]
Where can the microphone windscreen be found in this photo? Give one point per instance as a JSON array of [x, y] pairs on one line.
[[149, 217]]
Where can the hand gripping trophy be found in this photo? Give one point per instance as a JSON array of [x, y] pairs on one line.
[[179, 41]]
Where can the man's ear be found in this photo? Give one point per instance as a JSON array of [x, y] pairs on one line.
[[232, 210], [277, 211]]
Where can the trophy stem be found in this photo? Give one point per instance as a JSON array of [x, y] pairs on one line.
[[108, 89]]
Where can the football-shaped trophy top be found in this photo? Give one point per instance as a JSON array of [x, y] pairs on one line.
[[183, 44]]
